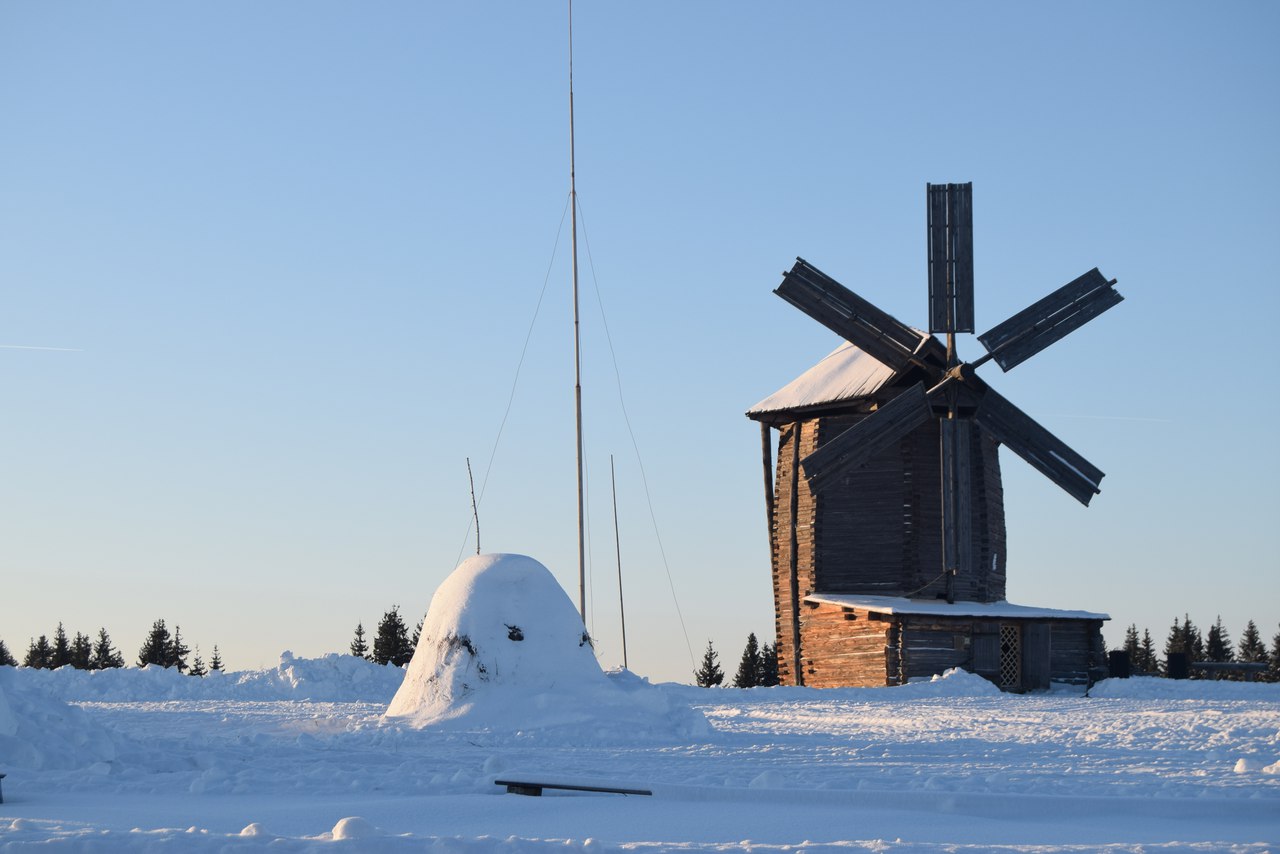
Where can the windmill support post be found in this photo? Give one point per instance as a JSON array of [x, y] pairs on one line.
[[797, 672], [766, 453]]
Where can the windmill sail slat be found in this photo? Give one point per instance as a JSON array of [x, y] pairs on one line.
[[939, 296], [879, 430], [877, 333], [1046, 452], [1050, 319], [963, 247], [950, 246]]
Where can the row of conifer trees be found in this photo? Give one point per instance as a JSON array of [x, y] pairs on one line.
[[160, 647], [1216, 646], [391, 645], [758, 667]]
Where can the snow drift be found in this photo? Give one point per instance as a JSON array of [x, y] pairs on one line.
[[503, 648]]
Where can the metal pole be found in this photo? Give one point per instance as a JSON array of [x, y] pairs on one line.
[[577, 344], [617, 542]]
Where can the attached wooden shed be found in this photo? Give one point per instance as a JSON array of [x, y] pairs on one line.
[[860, 593], [868, 641]]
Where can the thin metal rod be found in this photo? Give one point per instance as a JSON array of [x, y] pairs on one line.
[[475, 511], [617, 542], [577, 343]]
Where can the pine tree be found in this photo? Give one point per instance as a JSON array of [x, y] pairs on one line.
[[417, 635], [6, 657], [155, 649], [1252, 649], [197, 664], [768, 665], [215, 663], [61, 648], [359, 648], [1218, 645], [40, 654], [1150, 664], [709, 673], [748, 675], [391, 645], [104, 656], [176, 654], [81, 652]]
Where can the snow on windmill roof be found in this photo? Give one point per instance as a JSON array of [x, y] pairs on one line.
[[846, 373], [940, 608]]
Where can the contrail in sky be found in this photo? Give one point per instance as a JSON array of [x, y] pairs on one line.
[[26, 347], [1113, 418]]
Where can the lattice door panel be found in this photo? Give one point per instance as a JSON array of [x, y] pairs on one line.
[[1010, 657]]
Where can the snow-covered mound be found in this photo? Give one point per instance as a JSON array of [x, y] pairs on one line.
[[332, 678], [503, 648], [39, 732]]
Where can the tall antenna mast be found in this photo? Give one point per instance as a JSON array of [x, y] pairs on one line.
[[577, 342]]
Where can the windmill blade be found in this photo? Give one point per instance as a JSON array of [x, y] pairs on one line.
[[880, 335], [879, 430], [1016, 430], [950, 209], [1037, 326]]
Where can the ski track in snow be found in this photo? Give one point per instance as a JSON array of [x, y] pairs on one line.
[[1142, 767]]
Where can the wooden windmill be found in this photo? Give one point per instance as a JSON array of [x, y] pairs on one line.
[[870, 455]]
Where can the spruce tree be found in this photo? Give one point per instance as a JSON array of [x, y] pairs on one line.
[[1252, 650], [176, 655], [1173, 643], [710, 674], [40, 654], [61, 648], [359, 647], [1273, 672], [417, 635], [1150, 663], [197, 664], [81, 652], [768, 665], [1131, 643], [748, 675], [6, 657], [156, 648], [1193, 640], [1218, 645], [104, 656], [391, 644], [215, 663]]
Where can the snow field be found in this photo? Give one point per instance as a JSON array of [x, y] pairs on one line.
[[111, 762]]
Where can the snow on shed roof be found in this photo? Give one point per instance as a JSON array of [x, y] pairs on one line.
[[941, 608], [847, 372]]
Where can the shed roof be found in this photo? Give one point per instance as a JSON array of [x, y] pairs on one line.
[[941, 608], [844, 374]]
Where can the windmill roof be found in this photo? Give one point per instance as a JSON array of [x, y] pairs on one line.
[[942, 608], [844, 374]]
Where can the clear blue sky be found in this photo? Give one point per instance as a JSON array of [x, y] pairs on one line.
[[297, 247]]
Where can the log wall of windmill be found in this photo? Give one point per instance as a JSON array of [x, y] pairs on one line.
[[792, 520], [879, 530], [848, 647]]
